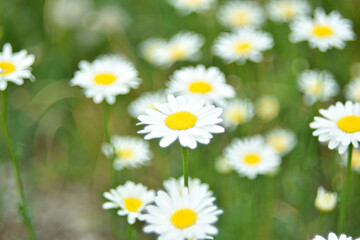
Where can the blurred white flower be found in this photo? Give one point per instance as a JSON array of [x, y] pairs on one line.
[[332, 236], [146, 101], [355, 159], [188, 6], [108, 19], [325, 201], [352, 90], [287, 10], [222, 165], [149, 47], [281, 140], [267, 107], [237, 111]]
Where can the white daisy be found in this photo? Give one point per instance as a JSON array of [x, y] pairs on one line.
[[130, 152], [186, 119], [131, 198], [340, 125], [237, 111], [332, 236], [186, 215], [209, 84], [355, 160], [14, 67], [324, 31], [145, 101], [325, 201], [188, 6], [242, 45], [184, 46], [287, 10], [317, 86], [106, 77], [281, 140], [251, 156], [267, 107], [178, 185], [149, 47], [352, 90], [237, 14]]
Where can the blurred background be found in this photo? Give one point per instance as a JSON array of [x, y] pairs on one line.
[[58, 132]]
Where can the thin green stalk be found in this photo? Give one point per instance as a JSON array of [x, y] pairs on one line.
[[320, 223], [106, 121], [345, 194], [131, 231], [185, 166], [23, 208]]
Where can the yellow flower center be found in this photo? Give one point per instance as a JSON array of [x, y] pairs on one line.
[[193, 3], [200, 87], [349, 124], [243, 47], [125, 153], [279, 143], [183, 218], [321, 30], [287, 10], [177, 53], [6, 68], [315, 88], [132, 204], [105, 78], [252, 159], [236, 116], [239, 18], [181, 120]]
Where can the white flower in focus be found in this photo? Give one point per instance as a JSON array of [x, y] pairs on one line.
[[186, 119], [131, 198], [149, 47], [332, 236], [267, 107], [237, 111], [251, 156], [355, 159], [178, 185], [145, 101], [130, 152], [287, 10], [242, 45], [352, 90], [340, 126], [324, 31], [281, 140], [188, 6], [14, 67], [106, 77], [325, 201], [317, 86], [238, 14], [208, 84]]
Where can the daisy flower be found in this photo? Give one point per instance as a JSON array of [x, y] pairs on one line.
[[317, 86], [352, 90], [145, 101], [149, 47], [106, 77], [287, 10], [281, 140], [131, 198], [242, 45], [324, 31], [184, 46], [332, 236], [178, 185], [209, 84], [251, 156], [188, 6], [267, 107], [186, 119], [237, 14], [340, 126], [189, 214], [14, 67], [130, 152], [237, 111], [355, 159], [222, 165], [325, 201]]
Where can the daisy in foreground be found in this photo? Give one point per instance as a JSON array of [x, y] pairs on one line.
[[209, 84], [131, 198], [317, 86], [106, 77], [242, 45], [130, 152], [182, 215], [287, 10], [352, 90], [324, 31], [281, 140], [14, 67], [236, 112], [251, 156], [186, 119], [178, 185], [332, 236], [188, 6], [340, 126]]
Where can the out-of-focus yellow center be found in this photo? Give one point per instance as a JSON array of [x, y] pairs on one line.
[[321, 30], [315, 88], [200, 87], [6, 68], [355, 159], [239, 18], [279, 143], [104, 78], [236, 116], [193, 3], [125, 153], [357, 94], [181, 120], [183, 218], [132, 204], [243, 47], [287, 10], [177, 53], [349, 124], [252, 159]]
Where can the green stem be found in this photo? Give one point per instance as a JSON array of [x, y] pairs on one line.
[[106, 121], [185, 166], [130, 231], [23, 208], [345, 194], [320, 223]]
